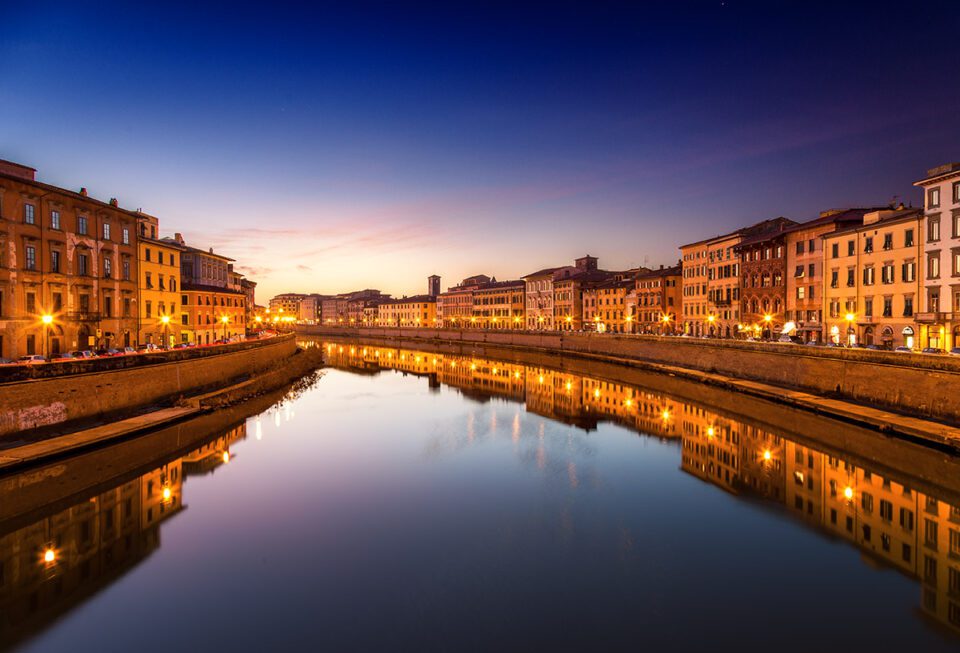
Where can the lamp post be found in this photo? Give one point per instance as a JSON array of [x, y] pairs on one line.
[[851, 332], [225, 320], [47, 320], [165, 319]]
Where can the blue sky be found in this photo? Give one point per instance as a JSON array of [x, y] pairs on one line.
[[330, 149]]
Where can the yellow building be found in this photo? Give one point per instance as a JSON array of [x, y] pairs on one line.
[[873, 279], [605, 306], [499, 305], [417, 311], [158, 285]]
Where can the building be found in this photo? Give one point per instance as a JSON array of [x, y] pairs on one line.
[[309, 312], [349, 308], [939, 319], [656, 300], [805, 270], [605, 306], [249, 289], [159, 287], [723, 285], [417, 311], [68, 259], [287, 304], [499, 305], [433, 285], [763, 270], [874, 281], [540, 296], [213, 302], [693, 259], [568, 293], [455, 307]]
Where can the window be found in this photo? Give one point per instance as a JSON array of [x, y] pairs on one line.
[[31, 261], [126, 236], [54, 219], [800, 292], [54, 261], [868, 244], [799, 247], [107, 307], [82, 225], [906, 519], [851, 277], [868, 306], [82, 264], [106, 231], [888, 307], [851, 248], [868, 276], [933, 198], [888, 241], [954, 542], [930, 533], [799, 271], [834, 278], [812, 270], [126, 268], [126, 307], [933, 266], [908, 306], [887, 274], [107, 267], [57, 302], [31, 302], [933, 229], [956, 262], [149, 308], [173, 285], [29, 214], [149, 279], [909, 271], [908, 238], [835, 250], [147, 254]]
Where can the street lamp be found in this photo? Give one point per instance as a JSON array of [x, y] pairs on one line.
[[851, 332], [225, 320], [47, 320], [166, 331]]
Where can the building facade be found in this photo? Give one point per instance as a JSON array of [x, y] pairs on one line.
[[656, 301], [455, 306], [763, 271], [939, 318], [68, 259], [694, 269], [874, 279], [159, 287], [499, 305], [417, 311]]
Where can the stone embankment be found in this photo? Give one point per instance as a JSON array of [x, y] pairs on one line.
[[67, 401], [914, 384]]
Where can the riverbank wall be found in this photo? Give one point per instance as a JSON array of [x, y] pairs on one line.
[[62, 400], [912, 384]]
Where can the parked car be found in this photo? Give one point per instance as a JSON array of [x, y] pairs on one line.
[[874, 347], [931, 350], [86, 353], [109, 352], [7, 361], [955, 351], [127, 351], [838, 345], [147, 348], [32, 359], [812, 343], [63, 356], [902, 350]]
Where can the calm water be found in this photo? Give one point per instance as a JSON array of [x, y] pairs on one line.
[[422, 501]]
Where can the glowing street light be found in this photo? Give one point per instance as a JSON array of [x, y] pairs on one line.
[[848, 493], [767, 455], [165, 320], [47, 320], [49, 556], [226, 321]]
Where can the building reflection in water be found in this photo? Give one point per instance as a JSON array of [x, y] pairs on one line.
[[55, 563], [892, 524]]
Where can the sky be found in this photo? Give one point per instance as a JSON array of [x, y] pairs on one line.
[[334, 148]]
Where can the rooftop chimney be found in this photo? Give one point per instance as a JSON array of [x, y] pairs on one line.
[[113, 201], [83, 191]]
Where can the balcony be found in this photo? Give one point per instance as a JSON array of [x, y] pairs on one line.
[[933, 317], [80, 316]]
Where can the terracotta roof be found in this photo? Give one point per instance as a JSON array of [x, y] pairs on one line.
[[539, 273], [674, 270], [408, 300]]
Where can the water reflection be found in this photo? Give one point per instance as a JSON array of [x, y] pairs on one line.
[[894, 524], [58, 561]]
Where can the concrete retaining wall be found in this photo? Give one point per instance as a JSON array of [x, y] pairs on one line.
[[48, 402], [910, 383]]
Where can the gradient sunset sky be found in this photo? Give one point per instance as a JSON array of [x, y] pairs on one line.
[[334, 149]]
